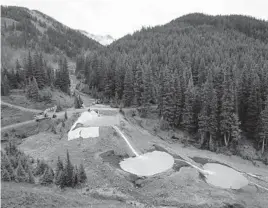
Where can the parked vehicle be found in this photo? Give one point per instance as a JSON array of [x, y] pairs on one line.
[[44, 115], [98, 101], [41, 117]]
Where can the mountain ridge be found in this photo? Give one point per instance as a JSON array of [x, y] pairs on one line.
[[24, 29], [102, 39]]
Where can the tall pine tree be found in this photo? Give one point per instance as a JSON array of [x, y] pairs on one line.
[[189, 122], [253, 107], [264, 126], [138, 86], [128, 88]]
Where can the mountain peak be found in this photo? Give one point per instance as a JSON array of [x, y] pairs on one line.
[[102, 39]]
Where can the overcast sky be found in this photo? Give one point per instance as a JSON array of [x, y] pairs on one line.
[[120, 17]]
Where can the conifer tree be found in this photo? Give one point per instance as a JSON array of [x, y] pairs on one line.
[[19, 79], [161, 92], [5, 176], [66, 77], [47, 177], [264, 84], [13, 80], [80, 100], [75, 177], [147, 87], [82, 174], [205, 116], [138, 86], [116, 99], [58, 82], [30, 178], [24, 161], [41, 167], [60, 179], [264, 126], [5, 86], [62, 80], [7, 165], [128, 88], [235, 129], [34, 90], [169, 103], [119, 81], [203, 120], [229, 121], [109, 83], [178, 98], [218, 85], [78, 103], [11, 149], [88, 70], [243, 95], [29, 67], [253, 107], [50, 76], [213, 122], [36, 65], [20, 173], [68, 171], [188, 112], [59, 167], [39, 73], [65, 115]]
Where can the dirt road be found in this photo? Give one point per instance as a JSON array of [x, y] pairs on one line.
[[21, 108], [69, 111], [16, 125]]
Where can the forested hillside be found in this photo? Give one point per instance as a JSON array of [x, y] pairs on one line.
[[37, 51], [207, 74], [24, 29]]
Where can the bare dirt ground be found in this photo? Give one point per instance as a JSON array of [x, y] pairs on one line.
[[108, 184], [26, 195], [177, 187]]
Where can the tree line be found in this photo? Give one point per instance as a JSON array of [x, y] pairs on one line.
[[16, 166], [34, 75], [207, 77]]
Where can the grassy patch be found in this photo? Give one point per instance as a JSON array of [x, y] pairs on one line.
[[27, 195], [11, 116], [18, 97]]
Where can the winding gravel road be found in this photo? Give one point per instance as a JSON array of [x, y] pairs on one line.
[[59, 114], [21, 108]]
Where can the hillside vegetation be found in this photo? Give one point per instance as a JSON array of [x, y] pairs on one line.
[[23, 29], [208, 75]]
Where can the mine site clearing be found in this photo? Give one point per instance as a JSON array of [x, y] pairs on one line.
[[155, 162], [120, 156]]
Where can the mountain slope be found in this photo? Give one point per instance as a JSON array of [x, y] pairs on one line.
[[24, 29], [196, 67]]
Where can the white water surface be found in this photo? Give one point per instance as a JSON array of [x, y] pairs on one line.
[[84, 132], [148, 164], [224, 176]]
